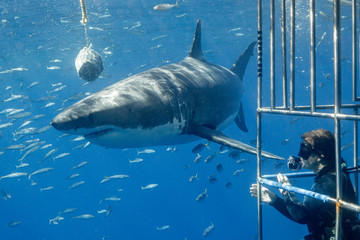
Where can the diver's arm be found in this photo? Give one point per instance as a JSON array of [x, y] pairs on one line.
[[292, 208]]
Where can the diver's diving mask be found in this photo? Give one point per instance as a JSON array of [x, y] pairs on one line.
[[306, 149]]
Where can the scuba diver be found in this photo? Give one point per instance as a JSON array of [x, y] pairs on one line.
[[317, 153]]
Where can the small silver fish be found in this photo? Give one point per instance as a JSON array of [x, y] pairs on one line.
[[80, 138], [192, 178], [110, 199], [42, 170], [166, 6], [73, 176], [26, 131], [22, 165], [148, 151], [156, 38], [6, 125], [79, 165], [5, 195], [33, 84], [209, 158], [346, 146], [84, 216], [68, 210], [212, 179], [118, 176], [198, 148], [25, 124], [163, 227], [14, 175], [150, 186], [198, 158], [20, 115], [46, 188], [77, 184], [237, 172], [208, 230], [14, 147], [53, 68], [201, 197], [14, 223], [16, 97], [62, 155], [136, 160], [51, 152], [56, 220], [15, 111], [28, 153], [46, 146], [50, 104], [43, 129]]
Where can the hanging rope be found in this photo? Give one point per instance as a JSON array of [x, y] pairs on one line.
[[84, 20]]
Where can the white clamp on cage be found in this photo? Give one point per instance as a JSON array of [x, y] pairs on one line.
[[88, 64]]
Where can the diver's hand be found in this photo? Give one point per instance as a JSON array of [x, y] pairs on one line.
[[266, 195], [284, 180]]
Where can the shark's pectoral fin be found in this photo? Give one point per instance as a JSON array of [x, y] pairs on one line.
[[220, 138], [240, 119]]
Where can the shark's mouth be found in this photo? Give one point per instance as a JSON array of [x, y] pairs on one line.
[[98, 133]]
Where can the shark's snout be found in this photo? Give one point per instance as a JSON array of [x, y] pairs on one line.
[[65, 122], [59, 123]]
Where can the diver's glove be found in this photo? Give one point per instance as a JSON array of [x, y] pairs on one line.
[[284, 180], [266, 195], [286, 194]]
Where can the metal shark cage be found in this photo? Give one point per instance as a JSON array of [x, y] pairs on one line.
[[289, 107]]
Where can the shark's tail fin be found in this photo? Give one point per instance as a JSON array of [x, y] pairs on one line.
[[240, 65], [240, 119], [239, 69]]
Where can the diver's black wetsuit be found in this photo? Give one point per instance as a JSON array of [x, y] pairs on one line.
[[319, 216]]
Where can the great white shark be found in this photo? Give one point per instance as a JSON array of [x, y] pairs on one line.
[[167, 105]]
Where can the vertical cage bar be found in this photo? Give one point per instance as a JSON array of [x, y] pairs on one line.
[[284, 50], [258, 118], [338, 223], [272, 53], [354, 49], [292, 55], [312, 56], [337, 88], [259, 174], [356, 161]]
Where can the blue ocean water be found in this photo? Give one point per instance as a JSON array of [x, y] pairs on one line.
[[39, 43]]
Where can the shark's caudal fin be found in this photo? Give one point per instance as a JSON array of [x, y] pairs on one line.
[[196, 51], [239, 69], [240, 119], [220, 138], [240, 65]]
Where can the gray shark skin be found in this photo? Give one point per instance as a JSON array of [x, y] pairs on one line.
[[168, 105]]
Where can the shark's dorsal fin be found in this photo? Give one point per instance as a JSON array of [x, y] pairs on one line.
[[220, 138], [196, 51], [240, 65]]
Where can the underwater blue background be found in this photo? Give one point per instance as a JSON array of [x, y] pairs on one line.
[[132, 37]]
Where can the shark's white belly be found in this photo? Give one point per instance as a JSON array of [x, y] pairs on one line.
[[115, 137]]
